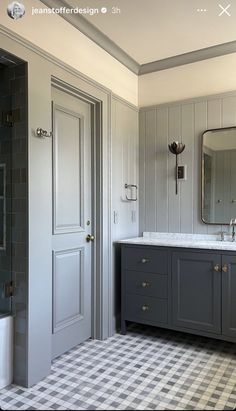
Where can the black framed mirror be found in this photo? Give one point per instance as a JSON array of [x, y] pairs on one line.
[[219, 176]]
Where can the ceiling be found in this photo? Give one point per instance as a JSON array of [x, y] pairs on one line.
[[151, 30]]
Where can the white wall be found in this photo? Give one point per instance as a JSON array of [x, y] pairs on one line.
[[54, 35], [203, 78]]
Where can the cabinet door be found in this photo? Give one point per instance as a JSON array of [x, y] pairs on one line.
[[196, 291], [229, 296]]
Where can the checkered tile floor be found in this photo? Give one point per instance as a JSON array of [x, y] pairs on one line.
[[148, 369]]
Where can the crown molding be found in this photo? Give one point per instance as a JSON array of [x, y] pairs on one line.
[[189, 58], [94, 34]]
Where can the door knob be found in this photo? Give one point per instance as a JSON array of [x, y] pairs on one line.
[[90, 238]]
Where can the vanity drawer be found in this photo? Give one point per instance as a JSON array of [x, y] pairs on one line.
[[140, 308], [146, 284], [145, 260]]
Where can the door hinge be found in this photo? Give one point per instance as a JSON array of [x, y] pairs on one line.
[[9, 289]]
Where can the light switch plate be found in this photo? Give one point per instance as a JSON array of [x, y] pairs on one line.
[[116, 217], [182, 173]]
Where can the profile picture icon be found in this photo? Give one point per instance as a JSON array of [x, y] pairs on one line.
[[16, 10]]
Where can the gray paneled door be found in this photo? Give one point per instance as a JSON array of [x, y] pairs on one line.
[[71, 222]]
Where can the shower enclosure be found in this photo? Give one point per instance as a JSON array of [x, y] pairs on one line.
[[13, 211]]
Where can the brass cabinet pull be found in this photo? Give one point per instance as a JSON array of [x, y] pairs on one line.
[[225, 268], [217, 268], [145, 284], [145, 260], [145, 308]]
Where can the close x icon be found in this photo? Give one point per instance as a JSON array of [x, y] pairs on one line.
[[225, 10]]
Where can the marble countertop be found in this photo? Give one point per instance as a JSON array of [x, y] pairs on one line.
[[208, 242]]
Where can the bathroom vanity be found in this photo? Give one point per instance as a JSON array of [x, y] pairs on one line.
[[182, 282]]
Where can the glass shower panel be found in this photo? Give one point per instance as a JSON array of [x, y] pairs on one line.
[[5, 192], [2, 206], [5, 247], [5, 274]]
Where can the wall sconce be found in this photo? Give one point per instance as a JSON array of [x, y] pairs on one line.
[[176, 148]]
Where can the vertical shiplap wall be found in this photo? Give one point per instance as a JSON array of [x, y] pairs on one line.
[[160, 208], [125, 169]]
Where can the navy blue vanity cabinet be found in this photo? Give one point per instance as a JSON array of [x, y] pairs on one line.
[[196, 291], [229, 295], [145, 285], [189, 290]]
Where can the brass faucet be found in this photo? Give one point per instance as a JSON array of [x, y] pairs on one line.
[[233, 224]]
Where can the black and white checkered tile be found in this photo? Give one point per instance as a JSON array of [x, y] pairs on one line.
[[148, 369]]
